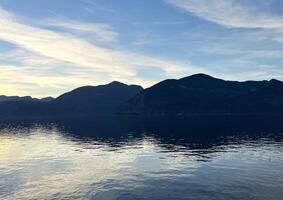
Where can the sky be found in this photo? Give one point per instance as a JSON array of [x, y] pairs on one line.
[[48, 47]]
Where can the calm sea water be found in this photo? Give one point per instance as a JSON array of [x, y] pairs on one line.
[[142, 159]]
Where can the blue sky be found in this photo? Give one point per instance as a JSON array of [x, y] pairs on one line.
[[48, 47]]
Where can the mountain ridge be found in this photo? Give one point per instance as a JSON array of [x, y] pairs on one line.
[[85, 100], [195, 94], [4, 98], [204, 94]]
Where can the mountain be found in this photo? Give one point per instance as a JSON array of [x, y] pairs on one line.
[[45, 99], [203, 94], [100, 99], [196, 94], [4, 98], [87, 100]]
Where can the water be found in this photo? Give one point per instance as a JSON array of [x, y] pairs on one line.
[[142, 159]]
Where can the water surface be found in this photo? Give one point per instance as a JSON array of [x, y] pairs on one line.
[[114, 159]]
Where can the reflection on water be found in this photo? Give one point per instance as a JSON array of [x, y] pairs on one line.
[[108, 158]]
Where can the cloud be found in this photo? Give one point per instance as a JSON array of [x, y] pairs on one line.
[[52, 56], [80, 61], [249, 46], [229, 13], [27, 58], [97, 30], [93, 6], [19, 80]]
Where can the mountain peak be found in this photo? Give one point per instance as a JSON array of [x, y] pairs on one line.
[[200, 76], [116, 83], [275, 81], [201, 81]]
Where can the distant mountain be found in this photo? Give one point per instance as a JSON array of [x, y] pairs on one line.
[[203, 94], [15, 105], [25, 98], [95, 99], [46, 99], [196, 94], [87, 100]]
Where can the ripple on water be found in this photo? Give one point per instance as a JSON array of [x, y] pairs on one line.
[[44, 162]]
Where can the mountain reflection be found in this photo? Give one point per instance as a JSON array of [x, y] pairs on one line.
[[190, 132], [127, 158]]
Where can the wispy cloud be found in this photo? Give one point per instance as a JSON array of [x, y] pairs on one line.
[[94, 6], [99, 31], [68, 52], [51, 56], [229, 13], [252, 50], [20, 80], [166, 23]]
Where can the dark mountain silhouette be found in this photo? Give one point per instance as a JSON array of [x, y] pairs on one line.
[[23, 108], [196, 94], [46, 99], [25, 98], [103, 99], [203, 94]]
